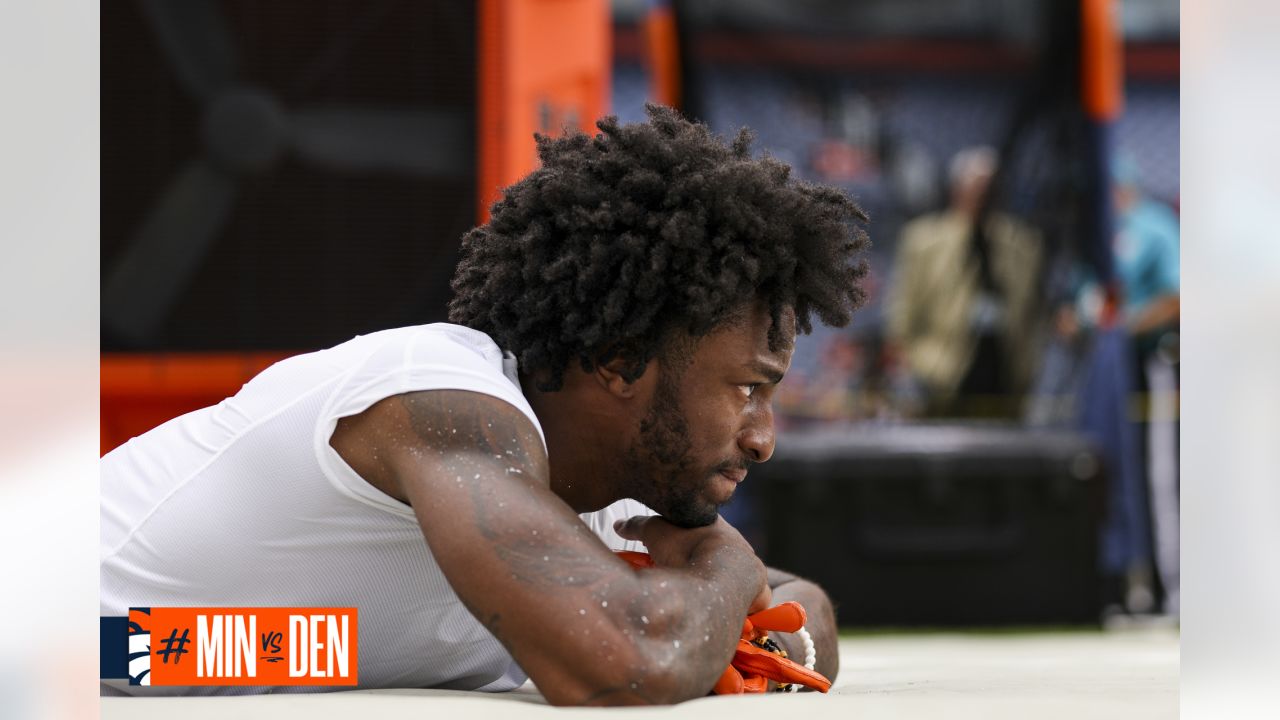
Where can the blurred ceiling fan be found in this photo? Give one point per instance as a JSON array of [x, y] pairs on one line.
[[245, 130]]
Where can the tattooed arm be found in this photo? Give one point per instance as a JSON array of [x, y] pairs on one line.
[[585, 626]]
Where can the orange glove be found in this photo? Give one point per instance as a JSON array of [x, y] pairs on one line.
[[755, 663], [637, 559]]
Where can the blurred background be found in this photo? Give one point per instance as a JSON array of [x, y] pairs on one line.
[[993, 441]]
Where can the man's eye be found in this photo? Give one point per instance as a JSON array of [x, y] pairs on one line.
[[750, 389]]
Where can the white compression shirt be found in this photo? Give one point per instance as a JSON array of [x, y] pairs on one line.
[[246, 504]]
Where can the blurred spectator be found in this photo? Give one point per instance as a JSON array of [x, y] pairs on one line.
[[1147, 259], [963, 323], [1146, 253]]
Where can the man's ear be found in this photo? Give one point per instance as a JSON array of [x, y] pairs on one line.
[[611, 376]]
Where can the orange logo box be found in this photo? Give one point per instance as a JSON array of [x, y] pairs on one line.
[[246, 646]]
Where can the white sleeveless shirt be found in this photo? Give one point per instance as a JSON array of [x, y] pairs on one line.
[[246, 504]]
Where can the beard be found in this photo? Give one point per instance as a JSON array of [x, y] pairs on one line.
[[660, 468]]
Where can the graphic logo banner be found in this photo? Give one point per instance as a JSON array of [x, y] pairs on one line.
[[242, 646]]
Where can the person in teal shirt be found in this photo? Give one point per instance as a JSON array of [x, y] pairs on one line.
[[1145, 249], [1146, 260], [1140, 540]]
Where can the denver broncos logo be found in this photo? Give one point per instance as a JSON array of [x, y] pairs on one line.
[[139, 646]]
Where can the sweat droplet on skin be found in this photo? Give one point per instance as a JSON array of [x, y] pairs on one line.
[[582, 611], [644, 619], [676, 643], [604, 603]]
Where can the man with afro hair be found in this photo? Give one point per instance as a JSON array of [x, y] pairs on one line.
[[618, 329]]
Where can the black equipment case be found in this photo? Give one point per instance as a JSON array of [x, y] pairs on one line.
[[937, 524]]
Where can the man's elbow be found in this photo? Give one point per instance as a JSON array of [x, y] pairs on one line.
[[638, 661], [640, 682], [644, 667]]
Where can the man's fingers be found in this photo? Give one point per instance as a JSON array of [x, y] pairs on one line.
[[763, 600], [628, 529], [637, 526]]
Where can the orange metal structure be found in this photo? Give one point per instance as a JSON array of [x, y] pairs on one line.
[[1102, 59], [663, 56], [141, 391], [543, 65]]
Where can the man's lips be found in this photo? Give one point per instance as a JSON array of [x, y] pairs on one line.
[[736, 476]]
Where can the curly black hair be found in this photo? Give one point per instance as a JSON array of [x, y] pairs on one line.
[[618, 239]]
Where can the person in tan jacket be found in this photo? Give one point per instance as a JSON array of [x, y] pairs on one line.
[[969, 343]]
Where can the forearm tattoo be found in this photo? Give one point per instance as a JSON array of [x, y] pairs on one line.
[[480, 440]]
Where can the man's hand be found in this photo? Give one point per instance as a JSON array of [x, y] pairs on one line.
[[755, 668], [671, 546], [821, 621]]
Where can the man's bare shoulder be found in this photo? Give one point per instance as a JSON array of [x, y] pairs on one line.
[[429, 424]]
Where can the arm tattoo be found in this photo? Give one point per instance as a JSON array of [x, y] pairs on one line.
[[471, 436], [497, 457]]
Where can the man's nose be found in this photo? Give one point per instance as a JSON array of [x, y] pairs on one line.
[[757, 439]]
